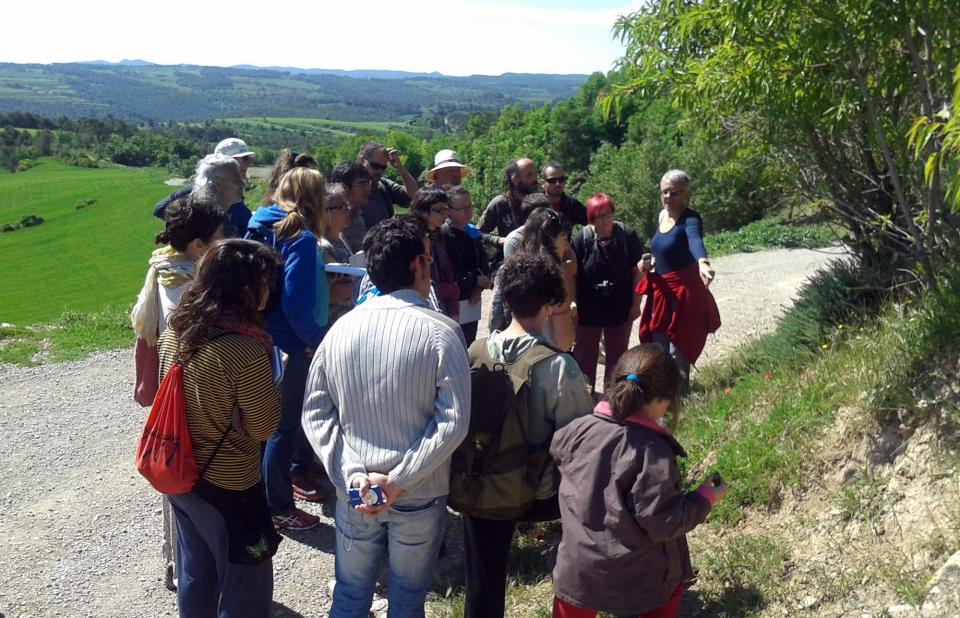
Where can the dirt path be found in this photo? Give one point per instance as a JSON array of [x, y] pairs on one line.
[[80, 529]]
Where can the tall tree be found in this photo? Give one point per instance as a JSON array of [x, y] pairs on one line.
[[835, 83]]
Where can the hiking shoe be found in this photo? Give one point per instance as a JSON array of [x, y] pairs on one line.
[[296, 520], [307, 489]]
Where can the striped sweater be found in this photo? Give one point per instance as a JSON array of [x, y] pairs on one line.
[[389, 392], [229, 373]]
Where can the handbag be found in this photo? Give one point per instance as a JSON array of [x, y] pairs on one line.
[[147, 362]]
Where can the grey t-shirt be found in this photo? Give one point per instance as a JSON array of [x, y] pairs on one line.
[[382, 199]]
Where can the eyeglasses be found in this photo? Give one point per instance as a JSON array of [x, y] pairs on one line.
[[333, 208], [377, 166], [559, 180], [442, 210]]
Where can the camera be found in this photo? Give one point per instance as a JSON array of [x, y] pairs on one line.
[[373, 497]]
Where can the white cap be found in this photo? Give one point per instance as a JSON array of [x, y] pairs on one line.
[[234, 147]]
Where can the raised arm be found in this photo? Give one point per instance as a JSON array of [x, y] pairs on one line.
[[409, 182]]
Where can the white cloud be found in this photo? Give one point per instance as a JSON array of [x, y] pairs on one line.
[[456, 37]]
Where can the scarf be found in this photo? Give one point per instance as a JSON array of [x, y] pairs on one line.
[[168, 268]]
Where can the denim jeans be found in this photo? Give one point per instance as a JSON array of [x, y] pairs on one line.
[[411, 532], [287, 449], [682, 364], [208, 583]]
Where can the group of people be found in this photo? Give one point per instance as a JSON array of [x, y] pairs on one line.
[[338, 331]]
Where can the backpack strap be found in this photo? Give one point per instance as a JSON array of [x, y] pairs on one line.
[[522, 366], [226, 431]]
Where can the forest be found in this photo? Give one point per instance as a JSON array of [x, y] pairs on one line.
[[194, 94]]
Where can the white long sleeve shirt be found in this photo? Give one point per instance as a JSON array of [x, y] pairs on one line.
[[389, 392]]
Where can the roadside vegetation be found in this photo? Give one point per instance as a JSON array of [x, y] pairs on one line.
[[70, 337], [761, 418]]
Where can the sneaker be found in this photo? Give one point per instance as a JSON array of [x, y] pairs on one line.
[[295, 521], [307, 489]]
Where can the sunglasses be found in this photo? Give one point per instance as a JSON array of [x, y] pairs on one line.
[[556, 181], [377, 166]]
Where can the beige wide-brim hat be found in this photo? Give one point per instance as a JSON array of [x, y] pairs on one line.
[[444, 159]]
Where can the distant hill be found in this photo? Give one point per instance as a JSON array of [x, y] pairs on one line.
[[141, 91]]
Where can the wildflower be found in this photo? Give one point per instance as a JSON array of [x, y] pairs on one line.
[[766, 375], [824, 346], [840, 327], [727, 390]]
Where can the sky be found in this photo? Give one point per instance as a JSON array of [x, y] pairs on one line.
[[454, 37]]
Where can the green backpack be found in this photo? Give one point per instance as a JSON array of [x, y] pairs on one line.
[[495, 472]]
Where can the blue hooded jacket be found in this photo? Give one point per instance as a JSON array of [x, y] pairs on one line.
[[291, 321]]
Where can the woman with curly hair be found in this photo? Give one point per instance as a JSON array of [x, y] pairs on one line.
[[225, 536]]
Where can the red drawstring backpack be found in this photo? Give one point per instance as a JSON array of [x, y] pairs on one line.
[[164, 451]]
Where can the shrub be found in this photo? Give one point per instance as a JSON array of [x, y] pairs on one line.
[[766, 234], [24, 222], [25, 164], [844, 293], [84, 203]]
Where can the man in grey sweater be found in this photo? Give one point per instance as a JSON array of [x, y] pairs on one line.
[[387, 403]]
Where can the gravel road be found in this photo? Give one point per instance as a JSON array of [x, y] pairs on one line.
[[80, 529]]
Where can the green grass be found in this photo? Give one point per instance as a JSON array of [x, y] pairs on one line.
[[335, 128], [759, 414], [73, 336], [768, 234], [77, 259]]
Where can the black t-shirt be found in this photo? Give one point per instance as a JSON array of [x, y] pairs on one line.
[[605, 273]]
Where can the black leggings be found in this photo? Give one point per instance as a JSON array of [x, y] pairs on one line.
[[486, 545]]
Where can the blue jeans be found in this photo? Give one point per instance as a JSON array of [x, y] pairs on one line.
[[411, 532], [208, 583], [287, 450], [682, 364]]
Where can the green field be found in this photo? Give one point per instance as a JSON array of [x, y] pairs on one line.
[[340, 128], [78, 259]]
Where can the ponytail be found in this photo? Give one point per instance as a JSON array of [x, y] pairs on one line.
[[644, 374]]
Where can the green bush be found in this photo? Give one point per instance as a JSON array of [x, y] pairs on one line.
[[24, 222], [767, 234], [25, 164], [84, 203], [835, 298]]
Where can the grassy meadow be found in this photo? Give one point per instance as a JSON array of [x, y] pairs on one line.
[[335, 128], [78, 259]]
